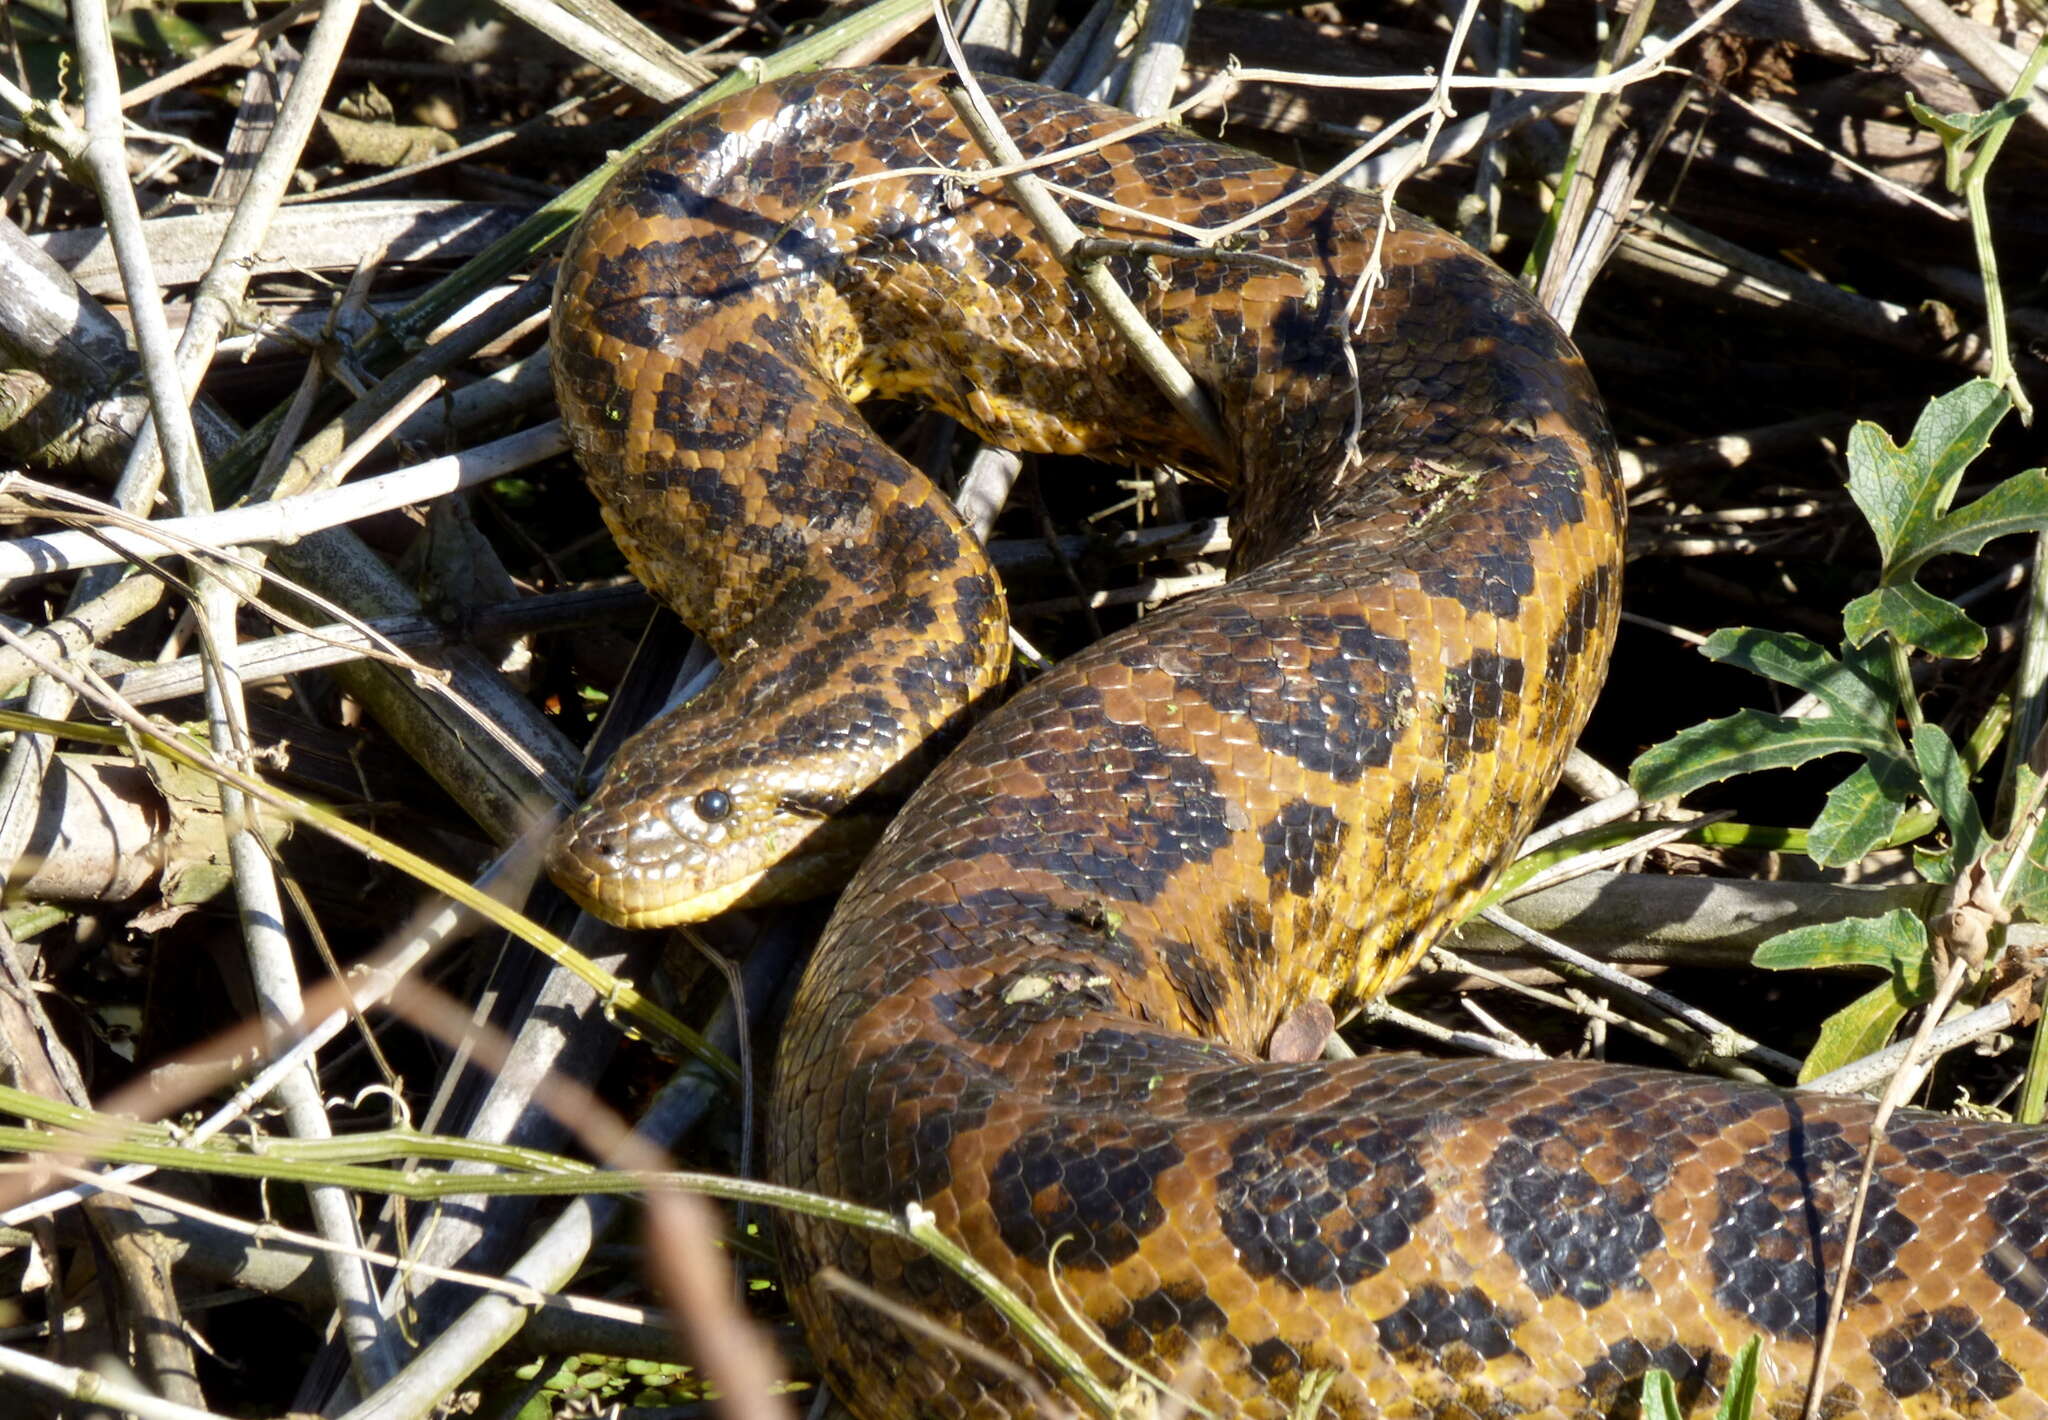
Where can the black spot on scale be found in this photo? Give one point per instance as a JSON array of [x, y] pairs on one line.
[[1246, 932], [1161, 165], [1578, 1234], [1200, 986], [1434, 1319], [998, 257], [1165, 1321], [1569, 1234], [1339, 715], [917, 538], [981, 925], [934, 682], [798, 492], [1492, 583], [638, 321], [1556, 493], [659, 189], [861, 719], [1124, 1068], [1322, 1203], [930, 1094], [2018, 1261], [1945, 1351], [697, 408], [1168, 817], [1611, 1381], [1302, 845], [722, 503], [974, 601], [1274, 1358], [1776, 1239], [1582, 616], [1091, 1180], [1479, 694]]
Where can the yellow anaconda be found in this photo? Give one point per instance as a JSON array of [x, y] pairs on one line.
[[1042, 1007]]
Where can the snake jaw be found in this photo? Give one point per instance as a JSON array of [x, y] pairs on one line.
[[615, 901], [639, 868]]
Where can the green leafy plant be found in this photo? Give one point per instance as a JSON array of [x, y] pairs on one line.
[[1913, 784], [1660, 1396]]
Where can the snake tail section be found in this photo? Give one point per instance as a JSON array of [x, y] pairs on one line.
[[1042, 1007]]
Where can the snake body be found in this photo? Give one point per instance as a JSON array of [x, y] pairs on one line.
[[1043, 1008]]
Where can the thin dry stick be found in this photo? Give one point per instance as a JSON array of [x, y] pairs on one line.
[[912, 1320], [1060, 234], [1896, 1090], [226, 52], [281, 520], [1881, 1065], [91, 1388], [1723, 1040], [371, 1348], [1972, 898], [434, 926]]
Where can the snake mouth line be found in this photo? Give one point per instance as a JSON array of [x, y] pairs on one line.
[[642, 907]]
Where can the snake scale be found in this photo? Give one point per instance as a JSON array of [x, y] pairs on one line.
[[1043, 1008]]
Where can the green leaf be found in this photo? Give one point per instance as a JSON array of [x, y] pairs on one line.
[[1947, 780], [1860, 813], [1964, 127], [1660, 1397], [2017, 505], [1864, 1025], [1895, 944], [1915, 616], [1739, 1401], [1530, 865], [2027, 895], [1960, 132], [1903, 490], [1744, 742], [1846, 689]]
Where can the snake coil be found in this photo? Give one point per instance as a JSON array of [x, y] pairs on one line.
[[1042, 1008]]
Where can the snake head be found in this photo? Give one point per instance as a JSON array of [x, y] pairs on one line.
[[689, 823]]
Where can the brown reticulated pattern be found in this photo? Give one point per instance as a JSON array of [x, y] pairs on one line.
[[1041, 1009]]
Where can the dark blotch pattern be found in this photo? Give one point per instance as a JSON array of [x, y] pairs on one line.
[[1479, 695], [1322, 1203], [1435, 1319], [1613, 1381], [931, 1094], [1779, 1222], [1274, 1358], [1571, 1191], [2018, 1261], [1490, 582], [1945, 1351], [697, 412], [1170, 813], [1303, 842], [1090, 1181], [1340, 719], [1164, 1322], [1570, 1234], [1115, 1069], [1013, 1006]]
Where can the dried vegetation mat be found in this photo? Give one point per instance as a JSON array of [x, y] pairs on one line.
[[305, 1115]]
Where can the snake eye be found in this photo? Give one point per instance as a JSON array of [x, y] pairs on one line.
[[713, 805]]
